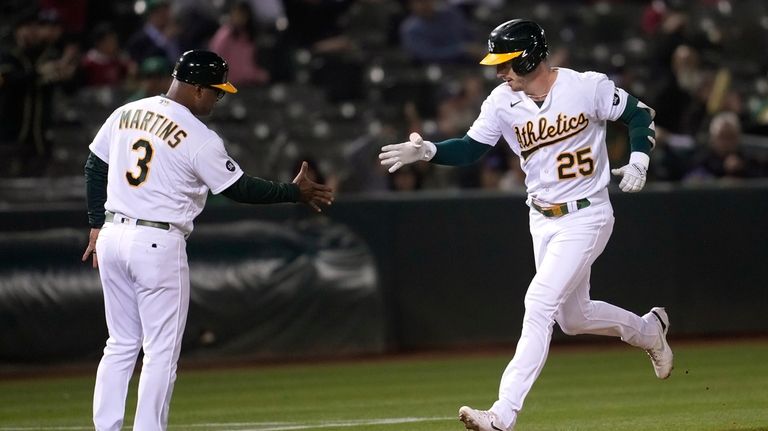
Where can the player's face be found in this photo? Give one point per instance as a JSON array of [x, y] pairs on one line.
[[505, 72]]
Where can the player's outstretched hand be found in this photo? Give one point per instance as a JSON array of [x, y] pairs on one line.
[[90, 250], [633, 173], [413, 150], [312, 193]]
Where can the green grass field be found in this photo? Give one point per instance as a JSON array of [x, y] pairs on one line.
[[718, 386]]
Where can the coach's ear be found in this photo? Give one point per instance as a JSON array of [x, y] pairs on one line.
[[198, 92]]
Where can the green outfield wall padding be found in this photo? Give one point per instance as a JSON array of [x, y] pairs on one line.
[[448, 269]]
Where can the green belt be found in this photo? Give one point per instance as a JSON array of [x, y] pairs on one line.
[[558, 210], [156, 224]]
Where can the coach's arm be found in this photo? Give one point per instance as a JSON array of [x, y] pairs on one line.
[[96, 171]]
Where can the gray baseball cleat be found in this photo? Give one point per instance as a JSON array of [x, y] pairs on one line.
[[480, 420], [661, 355]]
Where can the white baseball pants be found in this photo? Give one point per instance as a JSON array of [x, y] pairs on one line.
[[145, 279], [564, 250]]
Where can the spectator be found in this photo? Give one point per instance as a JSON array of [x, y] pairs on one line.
[[197, 21], [514, 177], [60, 55], [406, 179], [335, 61], [73, 14], [680, 104], [154, 78], [437, 34], [235, 41], [33, 65], [156, 38], [723, 157], [315, 24], [492, 170], [268, 12], [104, 64], [372, 24], [457, 112], [20, 134]]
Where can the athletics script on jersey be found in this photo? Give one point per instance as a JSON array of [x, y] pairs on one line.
[[161, 126], [532, 138]]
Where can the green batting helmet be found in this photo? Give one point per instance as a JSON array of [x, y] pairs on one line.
[[520, 41], [206, 68]]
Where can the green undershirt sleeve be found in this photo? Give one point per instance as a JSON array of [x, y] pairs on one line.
[[254, 190], [96, 171], [639, 119], [459, 151]]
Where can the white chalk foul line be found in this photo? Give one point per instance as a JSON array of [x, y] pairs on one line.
[[260, 426], [343, 424]]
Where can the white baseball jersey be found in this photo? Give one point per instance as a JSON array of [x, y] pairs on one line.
[[561, 144], [162, 162]]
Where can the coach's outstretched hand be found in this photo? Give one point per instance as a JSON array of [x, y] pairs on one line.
[[633, 173], [413, 150], [312, 193]]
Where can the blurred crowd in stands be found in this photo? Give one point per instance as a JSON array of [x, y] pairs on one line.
[[333, 80]]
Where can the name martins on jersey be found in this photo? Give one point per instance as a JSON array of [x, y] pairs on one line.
[[547, 134], [162, 126]]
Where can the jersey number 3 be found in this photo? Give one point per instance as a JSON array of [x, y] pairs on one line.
[[581, 158], [142, 163]]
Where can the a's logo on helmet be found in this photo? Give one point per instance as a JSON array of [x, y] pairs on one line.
[[230, 166], [490, 45]]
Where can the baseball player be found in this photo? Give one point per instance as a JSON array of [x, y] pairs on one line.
[[151, 166], [554, 119]]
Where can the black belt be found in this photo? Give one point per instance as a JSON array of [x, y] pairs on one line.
[[139, 222], [558, 210]]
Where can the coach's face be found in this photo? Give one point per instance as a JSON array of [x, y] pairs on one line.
[[205, 99]]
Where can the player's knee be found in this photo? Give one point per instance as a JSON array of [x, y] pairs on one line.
[[123, 347], [568, 329], [539, 305], [571, 325]]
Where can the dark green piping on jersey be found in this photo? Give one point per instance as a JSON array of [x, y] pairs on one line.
[[459, 151], [96, 171], [639, 120], [254, 190]]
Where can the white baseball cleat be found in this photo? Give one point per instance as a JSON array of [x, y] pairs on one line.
[[661, 355], [479, 420]]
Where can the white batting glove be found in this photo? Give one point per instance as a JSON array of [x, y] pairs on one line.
[[633, 173], [413, 150]]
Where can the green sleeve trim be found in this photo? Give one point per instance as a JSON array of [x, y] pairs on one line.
[[254, 190], [459, 151], [639, 119], [96, 171]]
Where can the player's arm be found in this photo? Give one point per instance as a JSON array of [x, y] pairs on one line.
[[96, 171], [642, 138], [459, 151], [639, 119], [451, 152], [254, 190]]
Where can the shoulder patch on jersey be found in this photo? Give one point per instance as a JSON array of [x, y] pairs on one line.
[[616, 97], [230, 166]]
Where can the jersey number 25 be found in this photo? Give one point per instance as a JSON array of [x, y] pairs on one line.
[[570, 165]]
